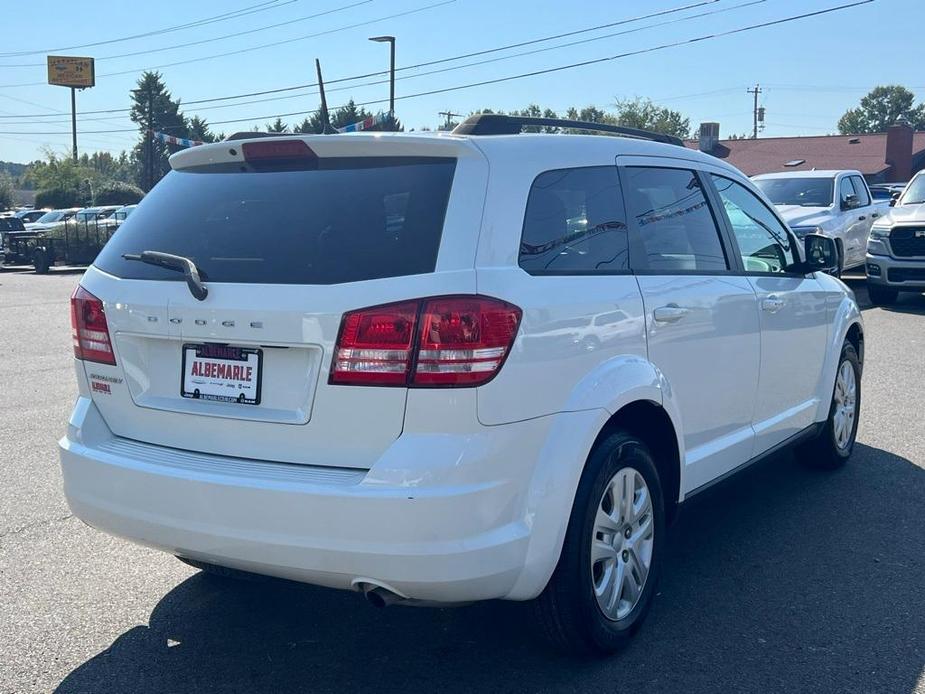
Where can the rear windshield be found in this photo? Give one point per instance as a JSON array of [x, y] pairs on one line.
[[351, 219], [806, 192]]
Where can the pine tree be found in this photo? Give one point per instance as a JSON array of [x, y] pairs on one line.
[[165, 117]]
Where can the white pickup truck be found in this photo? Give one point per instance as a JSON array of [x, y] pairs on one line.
[[833, 203]]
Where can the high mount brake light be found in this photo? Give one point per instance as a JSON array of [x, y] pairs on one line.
[[89, 328], [271, 149], [441, 341]]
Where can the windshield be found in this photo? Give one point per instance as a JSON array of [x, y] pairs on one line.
[[352, 219], [805, 192], [915, 192], [49, 217]]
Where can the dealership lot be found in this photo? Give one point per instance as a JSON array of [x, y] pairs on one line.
[[781, 579]]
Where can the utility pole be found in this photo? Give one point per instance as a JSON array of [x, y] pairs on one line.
[[449, 115], [756, 91]]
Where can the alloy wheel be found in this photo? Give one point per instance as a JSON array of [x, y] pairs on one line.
[[845, 405], [622, 543]]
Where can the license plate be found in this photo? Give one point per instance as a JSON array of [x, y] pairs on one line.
[[223, 373]]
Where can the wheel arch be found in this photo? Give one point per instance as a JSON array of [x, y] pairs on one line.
[[855, 335], [550, 512], [847, 325], [651, 423]]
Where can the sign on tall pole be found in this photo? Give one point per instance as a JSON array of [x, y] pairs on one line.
[[76, 73]]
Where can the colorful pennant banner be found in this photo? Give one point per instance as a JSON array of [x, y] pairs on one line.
[[173, 140], [370, 122]]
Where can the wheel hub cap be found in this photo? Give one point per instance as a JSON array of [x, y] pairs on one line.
[[622, 543], [845, 405]]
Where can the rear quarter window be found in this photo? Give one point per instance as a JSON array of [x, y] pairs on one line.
[[349, 220], [575, 223]]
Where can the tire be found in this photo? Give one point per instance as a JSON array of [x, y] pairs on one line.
[[833, 446], [40, 261], [841, 259], [881, 296], [571, 614]]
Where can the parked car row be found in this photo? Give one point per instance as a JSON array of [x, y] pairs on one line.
[[880, 227], [72, 235]]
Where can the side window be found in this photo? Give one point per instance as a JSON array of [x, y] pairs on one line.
[[860, 189], [575, 223], [676, 229], [845, 188], [763, 241]]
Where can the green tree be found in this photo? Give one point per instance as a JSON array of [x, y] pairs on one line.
[[277, 126], [7, 193], [57, 198], [165, 117], [881, 108], [118, 193], [56, 172], [311, 124], [198, 129], [534, 111], [347, 114], [646, 115]]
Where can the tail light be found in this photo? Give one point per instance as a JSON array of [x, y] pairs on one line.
[[374, 347], [89, 328], [442, 341]]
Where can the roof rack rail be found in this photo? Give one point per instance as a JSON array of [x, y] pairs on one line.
[[497, 124]]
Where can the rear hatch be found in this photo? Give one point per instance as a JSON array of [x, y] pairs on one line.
[[286, 239]]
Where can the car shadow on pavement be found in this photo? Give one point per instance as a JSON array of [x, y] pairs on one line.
[[781, 579]]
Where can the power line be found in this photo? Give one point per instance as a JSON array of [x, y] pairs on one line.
[[257, 47], [560, 68], [456, 57], [456, 67], [233, 35], [234, 14]]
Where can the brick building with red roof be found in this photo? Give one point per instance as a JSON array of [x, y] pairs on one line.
[[882, 157]]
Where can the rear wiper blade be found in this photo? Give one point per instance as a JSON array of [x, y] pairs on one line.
[[178, 263]]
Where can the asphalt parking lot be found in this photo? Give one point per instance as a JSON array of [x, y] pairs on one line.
[[782, 579]]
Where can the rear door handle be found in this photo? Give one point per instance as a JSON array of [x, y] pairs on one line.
[[772, 304], [671, 313], [861, 218]]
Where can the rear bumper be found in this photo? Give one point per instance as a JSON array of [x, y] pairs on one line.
[[891, 272], [457, 536]]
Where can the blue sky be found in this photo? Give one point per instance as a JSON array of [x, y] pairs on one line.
[[811, 70]]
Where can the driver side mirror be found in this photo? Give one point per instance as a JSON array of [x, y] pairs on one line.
[[821, 254], [894, 198], [849, 202]]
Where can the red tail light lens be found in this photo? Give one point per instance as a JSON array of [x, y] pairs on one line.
[[443, 341], [89, 328], [464, 340], [374, 347]]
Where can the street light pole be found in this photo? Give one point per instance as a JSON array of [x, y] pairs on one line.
[[391, 41]]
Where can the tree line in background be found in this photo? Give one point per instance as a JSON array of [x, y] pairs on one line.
[[103, 178]]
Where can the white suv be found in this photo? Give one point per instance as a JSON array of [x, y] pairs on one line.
[[439, 369]]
